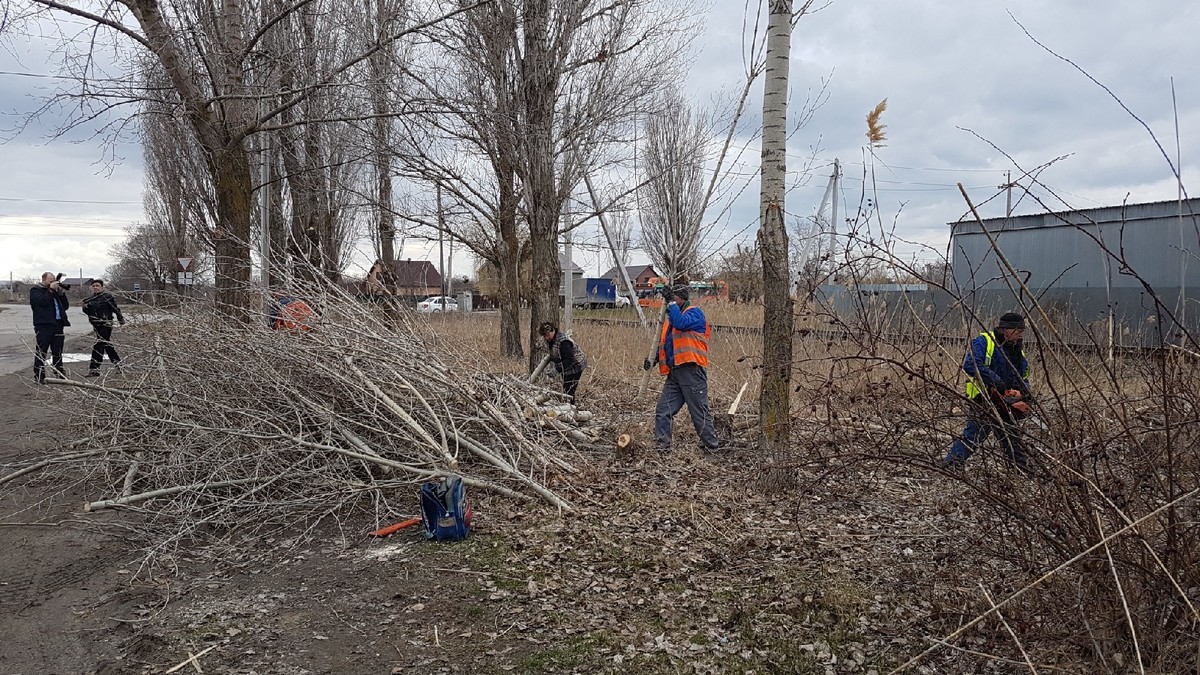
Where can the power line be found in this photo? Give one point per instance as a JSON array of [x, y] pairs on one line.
[[63, 201], [63, 221], [65, 234]]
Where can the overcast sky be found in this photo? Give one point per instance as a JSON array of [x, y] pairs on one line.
[[942, 66]]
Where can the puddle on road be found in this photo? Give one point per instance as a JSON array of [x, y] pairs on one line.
[[26, 354]]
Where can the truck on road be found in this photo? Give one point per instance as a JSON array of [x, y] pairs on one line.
[[594, 293]]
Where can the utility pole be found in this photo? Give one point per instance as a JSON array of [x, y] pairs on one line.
[[441, 240], [264, 217], [833, 216], [618, 258], [1007, 187], [568, 275], [817, 231], [450, 267]]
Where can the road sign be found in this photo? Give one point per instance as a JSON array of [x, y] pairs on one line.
[[186, 279], [184, 262], [137, 287]]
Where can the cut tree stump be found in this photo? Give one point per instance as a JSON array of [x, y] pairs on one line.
[[727, 426], [628, 446], [723, 425]]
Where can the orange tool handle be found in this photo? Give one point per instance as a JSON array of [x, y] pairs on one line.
[[392, 529]]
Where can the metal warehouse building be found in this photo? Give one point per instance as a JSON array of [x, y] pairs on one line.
[[1131, 271]]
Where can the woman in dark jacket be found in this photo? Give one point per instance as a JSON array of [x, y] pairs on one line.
[[566, 356]]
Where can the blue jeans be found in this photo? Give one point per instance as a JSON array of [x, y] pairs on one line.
[[686, 384], [985, 419]]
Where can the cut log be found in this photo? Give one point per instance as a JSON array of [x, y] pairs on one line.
[[569, 431], [628, 446], [568, 418], [537, 372], [744, 423], [727, 426]]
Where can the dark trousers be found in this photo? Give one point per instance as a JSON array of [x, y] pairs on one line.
[[983, 420], [49, 338], [571, 383], [686, 384], [103, 346]]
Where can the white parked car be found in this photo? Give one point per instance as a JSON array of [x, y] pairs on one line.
[[622, 301], [437, 303]]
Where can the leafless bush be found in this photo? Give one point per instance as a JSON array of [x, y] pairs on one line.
[[1098, 551]]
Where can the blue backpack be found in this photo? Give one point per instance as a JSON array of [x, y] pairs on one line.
[[445, 511]]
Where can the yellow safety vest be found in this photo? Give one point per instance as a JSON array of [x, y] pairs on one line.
[[974, 389]]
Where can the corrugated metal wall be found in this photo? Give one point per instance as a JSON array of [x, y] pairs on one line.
[[1062, 259]]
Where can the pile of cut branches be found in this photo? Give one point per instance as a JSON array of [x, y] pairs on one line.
[[237, 425]]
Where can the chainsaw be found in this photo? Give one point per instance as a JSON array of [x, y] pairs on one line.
[[1015, 401]]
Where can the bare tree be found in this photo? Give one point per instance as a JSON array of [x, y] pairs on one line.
[[148, 254], [383, 67], [178, 199], [620, 224], [209, 53], [742, 272], [515, 87], [672, 196], [474, 118], [778, 319], [587, 68]]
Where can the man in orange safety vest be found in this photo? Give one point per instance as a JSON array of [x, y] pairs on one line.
[[683, 358]]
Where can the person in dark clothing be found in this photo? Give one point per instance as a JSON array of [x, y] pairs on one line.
[[49, 303], [566, 356], [100, 309], [998, 391]]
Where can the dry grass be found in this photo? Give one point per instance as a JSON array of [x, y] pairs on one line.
[[615, 354]]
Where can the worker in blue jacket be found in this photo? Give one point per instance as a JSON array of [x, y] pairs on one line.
[[683, 358], [998, 391]]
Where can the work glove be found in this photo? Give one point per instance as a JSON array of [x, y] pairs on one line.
[[647, 364], [1022, 407]]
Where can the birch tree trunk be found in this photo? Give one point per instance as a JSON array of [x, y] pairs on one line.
[[774, 410]]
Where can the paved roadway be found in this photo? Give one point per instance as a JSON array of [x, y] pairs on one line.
[[16, 337]]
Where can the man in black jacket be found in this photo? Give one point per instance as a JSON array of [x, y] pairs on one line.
[[568, 358], [100, 309], [49, 303]]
